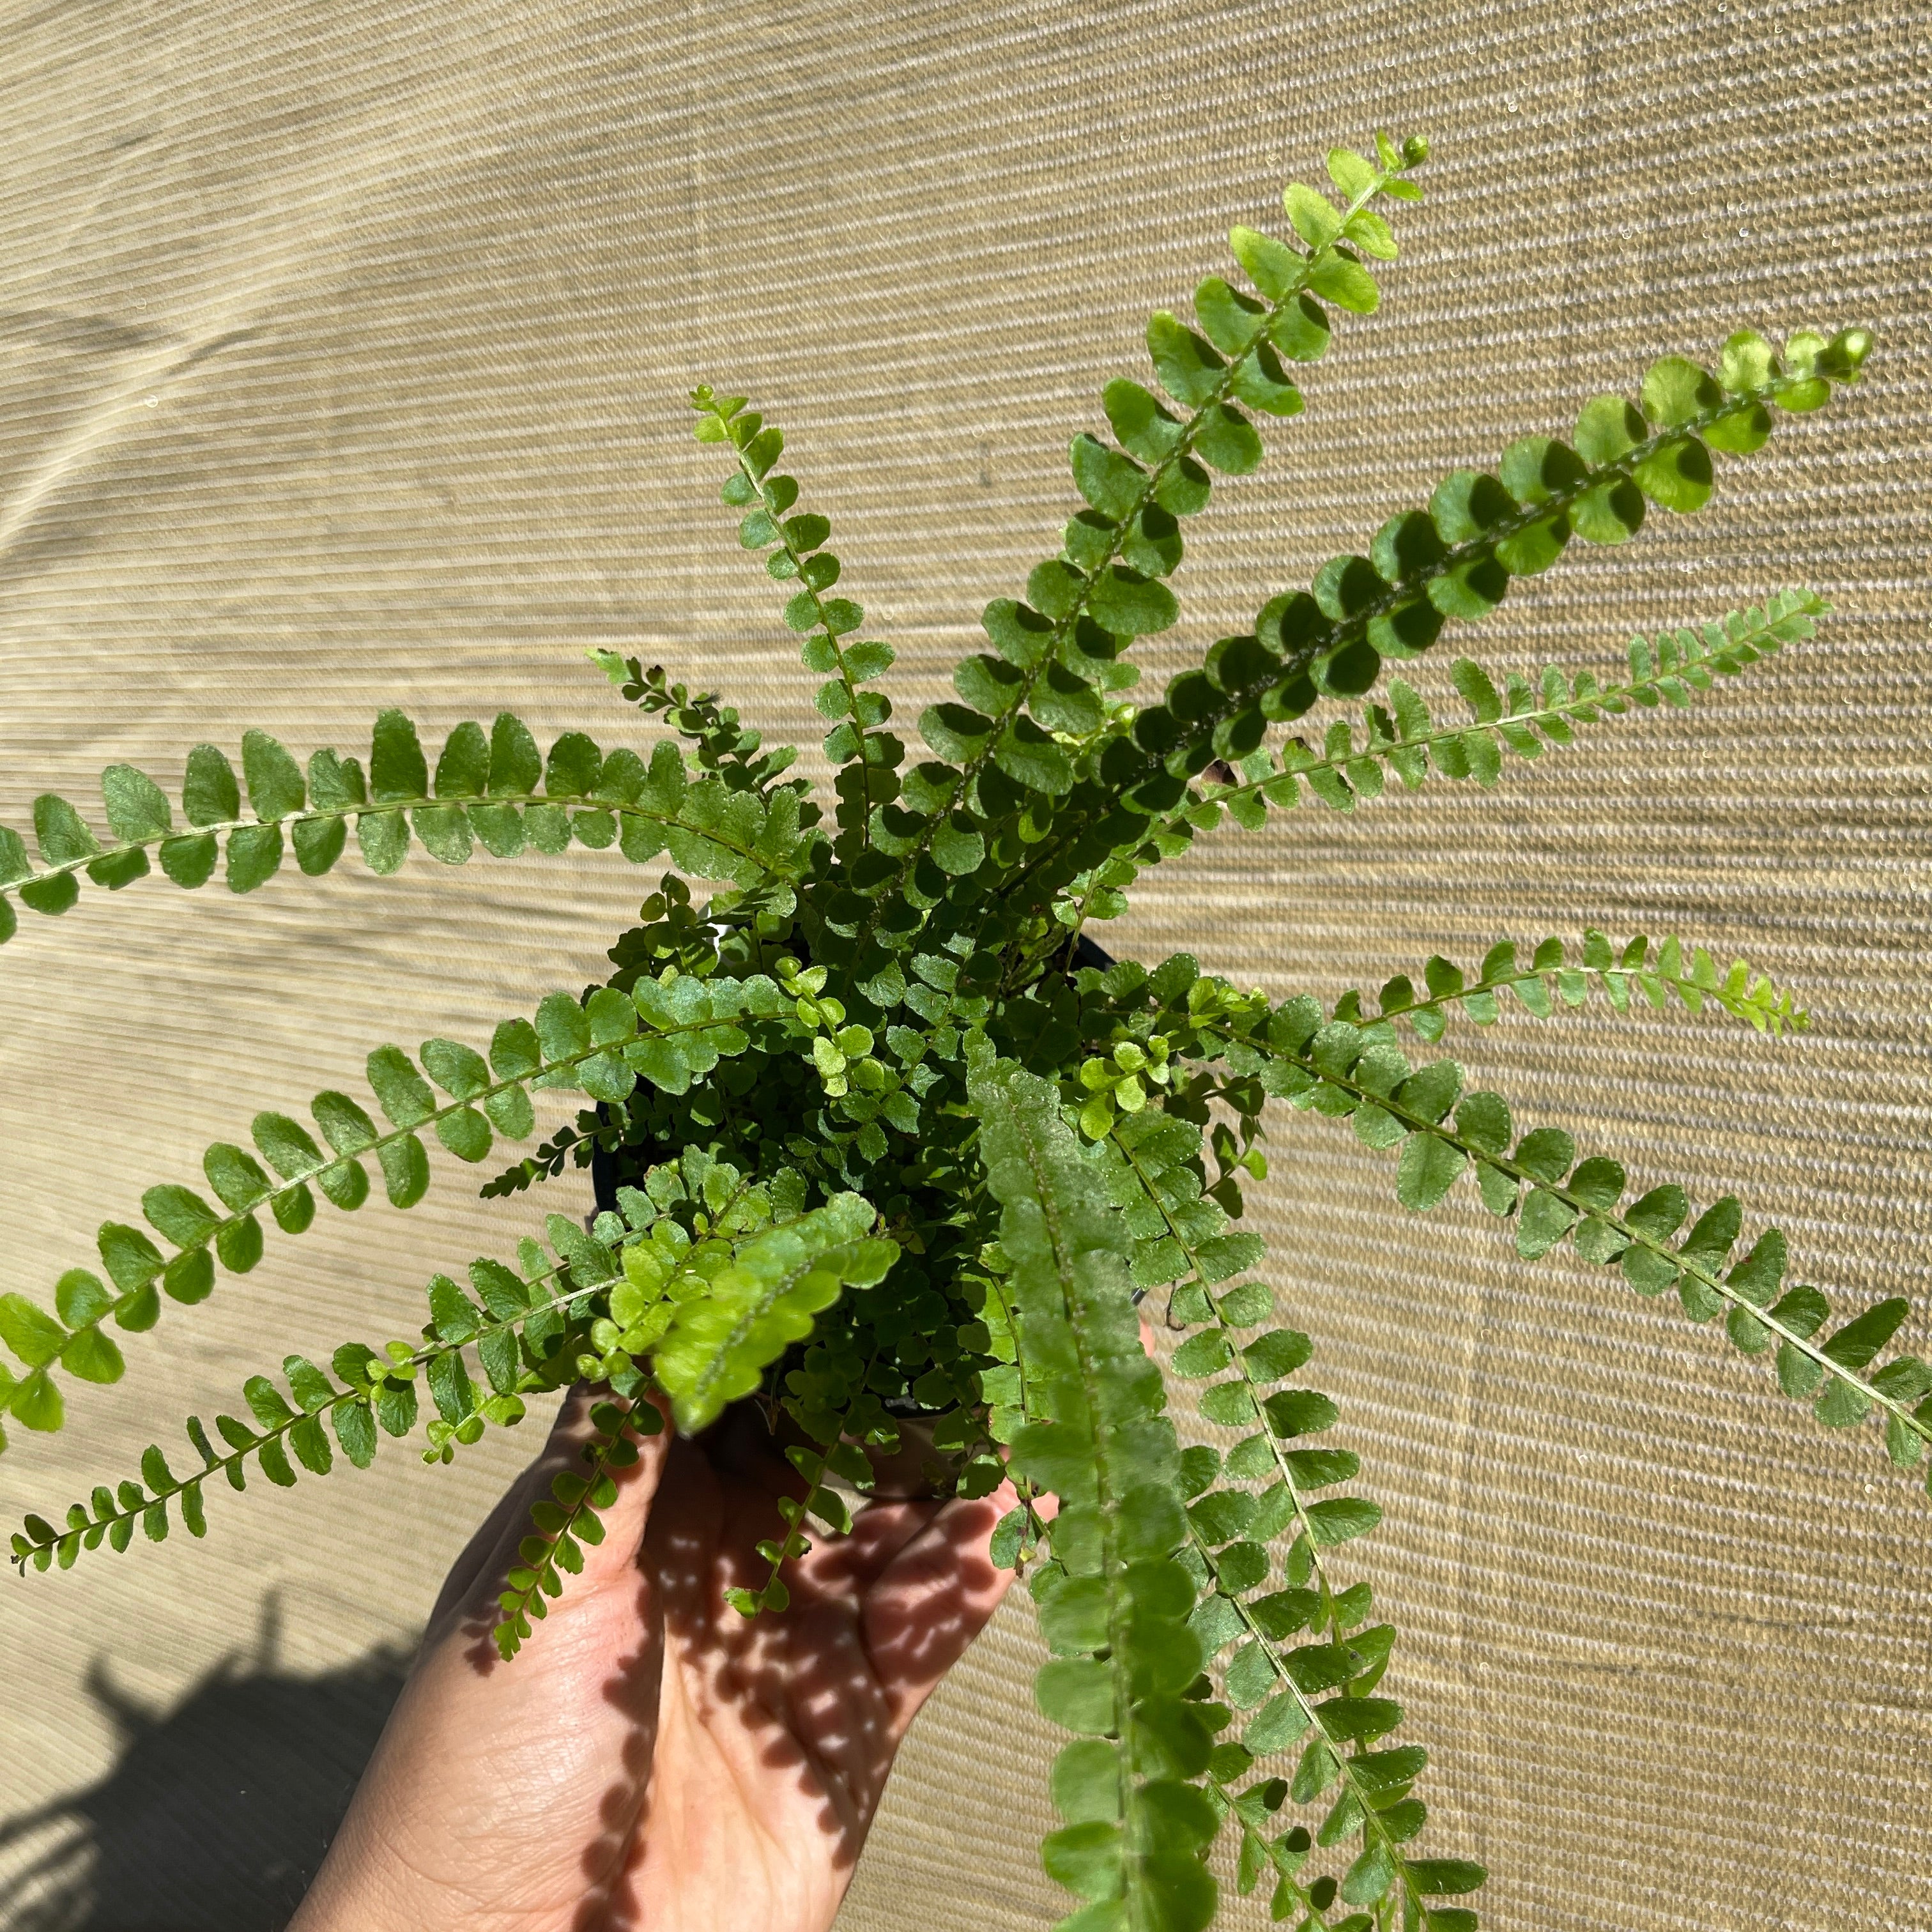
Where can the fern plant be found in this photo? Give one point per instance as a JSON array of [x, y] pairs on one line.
[[882, 1136]]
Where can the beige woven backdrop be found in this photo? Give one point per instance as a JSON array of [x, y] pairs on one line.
[[344, 348]]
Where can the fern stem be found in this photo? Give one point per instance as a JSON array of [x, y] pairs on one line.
[[389, 807], [1063, 625]]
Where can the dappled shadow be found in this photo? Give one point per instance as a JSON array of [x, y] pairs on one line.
[[217, 1810], [806, 1701]]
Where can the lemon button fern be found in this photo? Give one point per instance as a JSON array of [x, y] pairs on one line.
[[882, 1140]]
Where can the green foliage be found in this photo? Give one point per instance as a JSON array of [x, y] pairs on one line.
[[718, 1347], [665, 1033], [879, 1149], [1403, 737], [568, 1518], [1552, 979], [1113, 1597], [494, 789]]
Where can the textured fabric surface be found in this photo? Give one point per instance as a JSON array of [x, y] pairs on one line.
[[343, 348]]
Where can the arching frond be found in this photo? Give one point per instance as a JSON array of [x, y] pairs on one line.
[[1056, 656], [1456, 559], [1114, 1598], [665, 1033], [1551, 979], [1265, 1492], [1524, 719], [1348, 1071], [793, 542], [495, 790]]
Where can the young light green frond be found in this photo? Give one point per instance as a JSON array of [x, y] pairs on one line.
[[720, 1342], [666, 1033], [495, 790], [1114, 1600], [1456, 559], [795, 552], [1057, 655], [1551, 978], [1154, 1160], [1352, 1071], [1523, 718]]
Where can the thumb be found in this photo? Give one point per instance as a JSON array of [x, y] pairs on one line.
[[479, 1574]]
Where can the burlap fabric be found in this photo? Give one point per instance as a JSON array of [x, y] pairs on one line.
[[345, 349]]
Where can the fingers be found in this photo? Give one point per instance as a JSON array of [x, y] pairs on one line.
[[933, 1598]]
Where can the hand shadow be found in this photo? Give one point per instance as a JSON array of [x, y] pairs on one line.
[[217, 1810]]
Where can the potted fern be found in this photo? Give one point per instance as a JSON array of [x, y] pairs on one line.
[[886, 1145]]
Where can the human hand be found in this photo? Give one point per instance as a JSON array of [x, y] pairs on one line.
[[652, 1760]]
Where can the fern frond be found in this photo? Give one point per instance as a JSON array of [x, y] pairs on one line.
[[829, 1454], [1347, 1068], [1114, 1600], [1347, 1071], [1551, 978], [796, 545], [1155, 1159], [376, 1388], [1406, 740], [1372, 1784], [568, 1518], [726, 749], [592, 1305], [666, 1033], [1056, 655], [719, 1343], [496, 790], [1456, 559]]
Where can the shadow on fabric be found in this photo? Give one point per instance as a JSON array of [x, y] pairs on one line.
[[217, 1811]]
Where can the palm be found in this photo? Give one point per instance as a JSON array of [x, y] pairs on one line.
[[692, 1767]]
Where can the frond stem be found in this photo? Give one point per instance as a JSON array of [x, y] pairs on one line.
[[387, 807], [1062, 626]]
